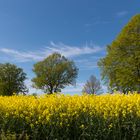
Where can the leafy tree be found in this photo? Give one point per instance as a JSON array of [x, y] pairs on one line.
[[92, 86], [121, 66], [54, 73], [11, 80]]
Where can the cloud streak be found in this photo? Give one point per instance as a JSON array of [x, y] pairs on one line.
[[122, 13], [88, 63], [21, 56], [73, 89], [66, 50]]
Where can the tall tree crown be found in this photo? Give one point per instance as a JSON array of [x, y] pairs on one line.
[[121, 66]]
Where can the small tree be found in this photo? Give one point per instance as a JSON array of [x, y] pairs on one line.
[[92, 86], [54, 73], [11, 80]]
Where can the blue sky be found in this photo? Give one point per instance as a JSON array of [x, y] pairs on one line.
[[30, 30]]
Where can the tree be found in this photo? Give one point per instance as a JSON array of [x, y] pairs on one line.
[[92, 86], [121, 66], [11, 79], [54, 73]]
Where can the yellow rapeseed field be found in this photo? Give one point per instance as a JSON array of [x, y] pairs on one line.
[[107, 116]]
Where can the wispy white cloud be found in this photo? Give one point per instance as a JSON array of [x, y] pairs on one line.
[[71, 51], [21, 56], [74, 89], [122, 13], [88, 63], [96, 22], [66, 50]]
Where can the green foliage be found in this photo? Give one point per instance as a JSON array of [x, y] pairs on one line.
[[121, 66], [13, 136], [54, 73], [11, 80], [92, 86]]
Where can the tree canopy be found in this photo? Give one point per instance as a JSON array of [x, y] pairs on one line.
[[54, 73], [121, 66], [12, 80], [92, 86]]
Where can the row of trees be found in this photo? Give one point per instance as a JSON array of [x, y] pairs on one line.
[[52, 74], [120, 68]]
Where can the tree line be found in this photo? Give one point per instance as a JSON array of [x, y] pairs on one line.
[[120, 68]]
